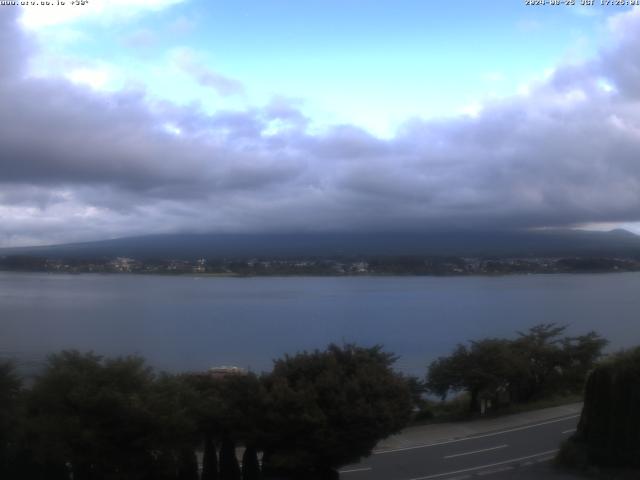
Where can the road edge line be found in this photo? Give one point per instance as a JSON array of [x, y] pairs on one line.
[[504, 462], [473, 437]]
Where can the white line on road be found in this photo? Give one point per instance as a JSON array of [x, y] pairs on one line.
[[544, 459], [366, 469], [476, 451], [571, 430], [438, 475], [493, 471], [517, 429]]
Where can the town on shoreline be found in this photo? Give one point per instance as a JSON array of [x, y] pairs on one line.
[[314, 266]]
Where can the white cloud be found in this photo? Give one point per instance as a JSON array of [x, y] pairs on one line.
[[99, 75], [472, 110], [172, 128], [97, 78], [606, 85], [188, 62], [38, 16]]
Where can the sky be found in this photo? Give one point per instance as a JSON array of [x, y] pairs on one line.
[[131, 117]]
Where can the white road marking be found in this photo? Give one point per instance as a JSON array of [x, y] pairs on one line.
[[438, 475], [517, 429], [476, 451], [571, 430], [545, 459], [495, 470], [366, 469]]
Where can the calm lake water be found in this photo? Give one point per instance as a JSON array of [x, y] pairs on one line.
[[187, 323]]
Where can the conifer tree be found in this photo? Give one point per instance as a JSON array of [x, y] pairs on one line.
[[250, 464], [188, 466], [229, 468], [209, 459]]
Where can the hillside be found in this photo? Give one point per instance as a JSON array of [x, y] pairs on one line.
[[616, 243]]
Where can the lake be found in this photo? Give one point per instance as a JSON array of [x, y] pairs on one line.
[[191, 323]]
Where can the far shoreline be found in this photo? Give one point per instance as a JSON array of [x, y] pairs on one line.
[[320, 275]]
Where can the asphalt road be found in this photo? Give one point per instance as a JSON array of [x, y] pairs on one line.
[[523, 452]]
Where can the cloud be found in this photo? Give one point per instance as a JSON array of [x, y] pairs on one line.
[[97, 78], [619, 64], [79, 164], [142, 38], [182, 25], [14, 46], [186, 61], [106, 11]]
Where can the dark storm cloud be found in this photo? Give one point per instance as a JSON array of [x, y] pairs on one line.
[[76, 164]]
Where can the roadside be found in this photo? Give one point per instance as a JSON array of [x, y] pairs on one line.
[[457, 409], [442, 432], [520, 445]]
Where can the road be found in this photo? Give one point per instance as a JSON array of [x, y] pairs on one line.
[[522, 452]]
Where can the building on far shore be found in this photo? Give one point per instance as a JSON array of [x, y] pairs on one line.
[[225, 370]]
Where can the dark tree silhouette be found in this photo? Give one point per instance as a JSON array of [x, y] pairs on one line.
[[329, 408], [9, 390], [250, 464], [229, 468], [608, 433], [92, 418], [209, 459], [188, 465], [536, 364]]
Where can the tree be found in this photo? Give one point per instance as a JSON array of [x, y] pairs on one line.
[[209, 459], [229, 409], [417, 388], [92, 414], [229, 468], [174, 434], [10, 386], [241, 408], [330, 408], [446, 374], [608, 432], [187, 464], [537, 363], [483, 369], [250, 464], [540, 361], [580, 356]]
